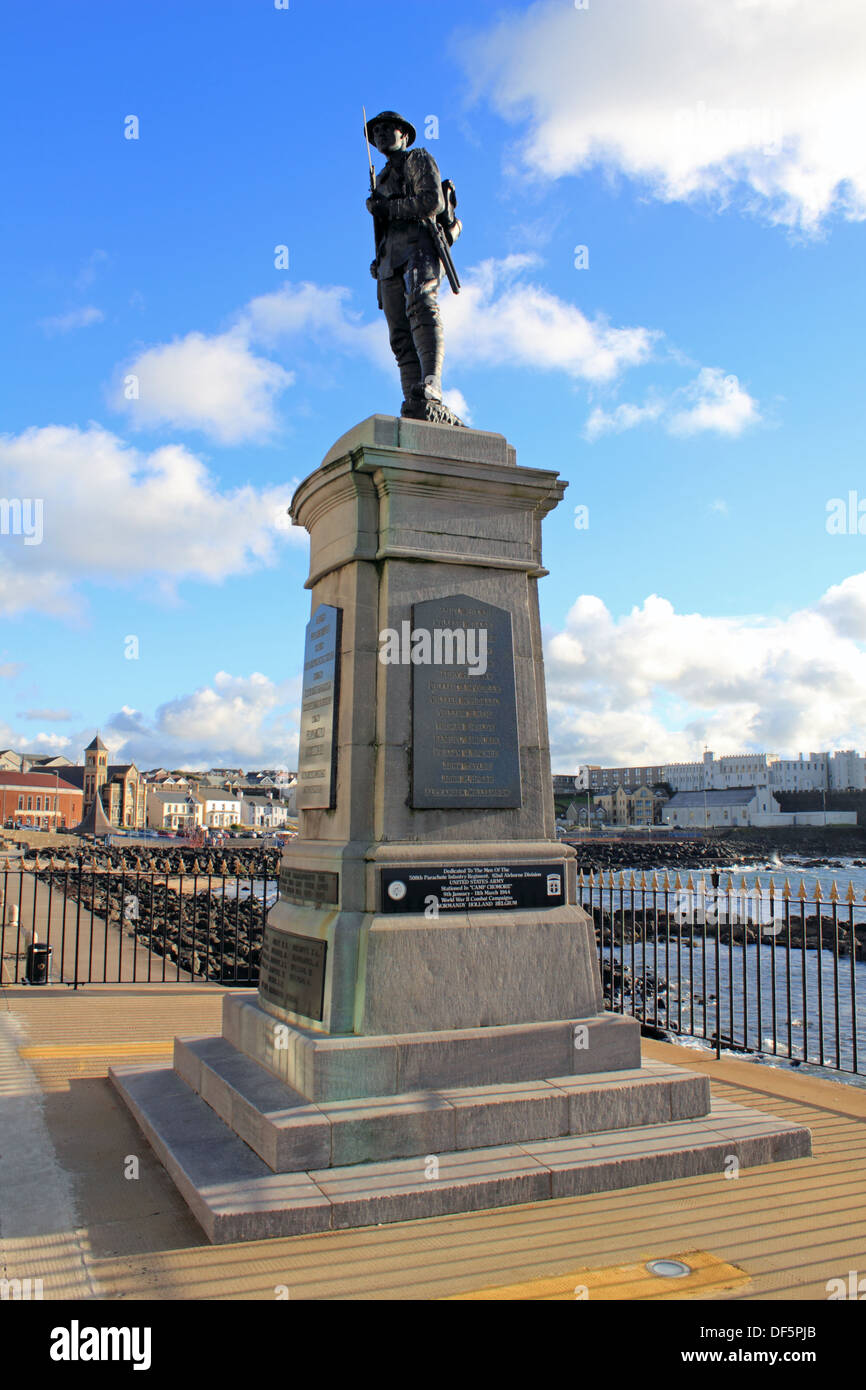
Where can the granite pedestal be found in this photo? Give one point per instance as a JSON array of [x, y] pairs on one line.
[[428, 1035]]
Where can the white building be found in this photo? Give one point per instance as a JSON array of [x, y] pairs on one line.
[[219, 808], [742, 806], [801, 774], [269, 812], [592, 777], [716, 808], [172, 809], [841, 771], [848, 771]]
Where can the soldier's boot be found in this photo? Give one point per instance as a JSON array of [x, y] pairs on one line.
[[426, 325], [411, 379], [400, 336], [408, 365]]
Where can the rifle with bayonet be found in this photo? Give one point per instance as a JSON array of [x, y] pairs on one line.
[[377, 231]]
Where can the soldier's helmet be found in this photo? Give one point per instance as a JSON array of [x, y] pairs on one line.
[[394, 119]]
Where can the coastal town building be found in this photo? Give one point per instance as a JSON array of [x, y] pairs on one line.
[[43, 800], [717, 808], [173, 809], [12, 761], [742, 806], [267, 811], [844, 770], [119, 787], [219, 808], [621, 807], [847, 771], [592, 777]]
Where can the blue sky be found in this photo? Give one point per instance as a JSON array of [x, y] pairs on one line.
[[699, 384]]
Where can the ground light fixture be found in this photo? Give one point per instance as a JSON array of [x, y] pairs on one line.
[[668, 1269]]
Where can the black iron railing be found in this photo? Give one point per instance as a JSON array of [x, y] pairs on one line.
[[757, 968], [107, 926]]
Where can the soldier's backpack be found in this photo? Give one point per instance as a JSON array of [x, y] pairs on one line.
[[448, 219]]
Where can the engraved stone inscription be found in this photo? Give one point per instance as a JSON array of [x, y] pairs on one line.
[[309, 886], [432, 889], [317, 749], [292, 972], [464, 718]]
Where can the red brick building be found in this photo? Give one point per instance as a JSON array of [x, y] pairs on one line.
[[39, 798]]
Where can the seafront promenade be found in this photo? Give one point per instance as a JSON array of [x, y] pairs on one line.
[[86, 1207]]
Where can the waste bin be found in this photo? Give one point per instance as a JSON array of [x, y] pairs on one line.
[[38, 963]]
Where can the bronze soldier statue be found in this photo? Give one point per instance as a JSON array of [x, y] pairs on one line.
[[406, 201]]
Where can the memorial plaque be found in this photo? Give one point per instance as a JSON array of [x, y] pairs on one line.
[[473, 887], [292, 972], [309, 886], [317, 748], [464, 712]]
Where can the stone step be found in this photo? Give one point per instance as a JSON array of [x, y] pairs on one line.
[[235, 1196], [328, 1067], [291, 1133]]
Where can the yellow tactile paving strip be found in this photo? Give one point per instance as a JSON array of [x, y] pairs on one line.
[[103, 1049], [80, 1034], [789, 1227], [708, 1275]]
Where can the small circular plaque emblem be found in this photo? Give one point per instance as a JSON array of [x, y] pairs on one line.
[[396, 890]]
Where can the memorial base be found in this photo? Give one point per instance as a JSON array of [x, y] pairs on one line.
[[428, 1036], [380, 1129]]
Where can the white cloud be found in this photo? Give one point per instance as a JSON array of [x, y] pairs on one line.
[[234, 721], [52, 716], [319, 313], [624, 417], [656, 685], [501, 317], [40, 743], [712, 402], [76, 318], [215, 384], [114, 514], [719, 404], [219, 384], [844, 606], [456, 401], [758, 101], [233, 715]]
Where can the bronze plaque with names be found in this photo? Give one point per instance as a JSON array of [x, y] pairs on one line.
[[314, 886], [320, 698], [292, 972], [465, 752]]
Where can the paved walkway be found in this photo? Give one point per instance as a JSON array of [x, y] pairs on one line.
[[73, 1212]]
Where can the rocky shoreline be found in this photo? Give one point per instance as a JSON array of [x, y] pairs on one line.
[[624, 928], [222, 862], [732, 850]]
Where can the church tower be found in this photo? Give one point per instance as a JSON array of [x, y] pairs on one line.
[[95, 769]]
